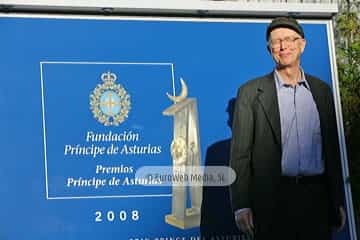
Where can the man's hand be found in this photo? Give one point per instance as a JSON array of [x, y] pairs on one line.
[[342, 218], [244, 221]]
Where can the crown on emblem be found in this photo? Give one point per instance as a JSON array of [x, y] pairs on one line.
[[108, 77]]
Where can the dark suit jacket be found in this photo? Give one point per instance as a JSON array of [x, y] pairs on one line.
[[256, 146]]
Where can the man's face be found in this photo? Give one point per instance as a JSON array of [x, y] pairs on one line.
[[286, 47]]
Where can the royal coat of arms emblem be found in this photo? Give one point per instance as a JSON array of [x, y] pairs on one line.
[[109, 102]]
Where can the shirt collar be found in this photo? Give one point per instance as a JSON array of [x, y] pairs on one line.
[[280, 82]]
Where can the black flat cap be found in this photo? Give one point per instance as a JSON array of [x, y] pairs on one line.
[[284, 22]]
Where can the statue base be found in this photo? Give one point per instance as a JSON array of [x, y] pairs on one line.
[[192, 219]]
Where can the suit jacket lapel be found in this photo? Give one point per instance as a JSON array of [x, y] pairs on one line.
[[268, 99]]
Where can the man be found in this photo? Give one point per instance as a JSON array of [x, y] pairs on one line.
[[284, 148]]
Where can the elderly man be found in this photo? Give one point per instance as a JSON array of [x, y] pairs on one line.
[[285, 148]]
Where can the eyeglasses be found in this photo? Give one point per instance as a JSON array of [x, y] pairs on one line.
[[288, 41]]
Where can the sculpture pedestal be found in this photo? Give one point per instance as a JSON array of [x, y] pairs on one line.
[[192, 219]]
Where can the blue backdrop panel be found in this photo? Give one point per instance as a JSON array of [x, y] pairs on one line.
[[50, 67]]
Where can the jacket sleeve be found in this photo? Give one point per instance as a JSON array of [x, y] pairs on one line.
[[332, 151], [240, 153]]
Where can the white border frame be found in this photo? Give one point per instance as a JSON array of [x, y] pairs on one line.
[[340, 127], [44, 126], [171, 7]]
